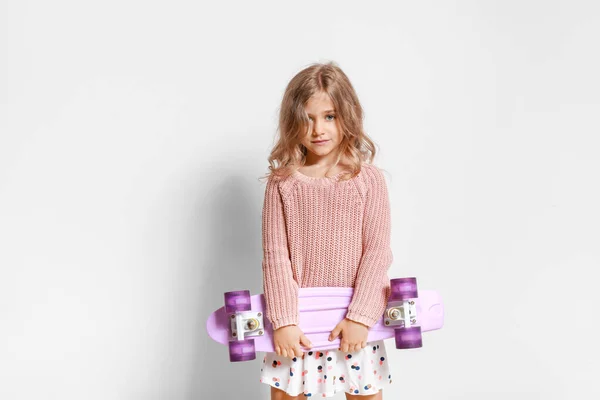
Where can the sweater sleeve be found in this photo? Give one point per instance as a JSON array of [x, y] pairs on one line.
[[280, 288], [372, 285]]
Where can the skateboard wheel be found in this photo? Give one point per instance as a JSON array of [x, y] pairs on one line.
[[408, 338], [242, 350], [403, 289], [238, 300]]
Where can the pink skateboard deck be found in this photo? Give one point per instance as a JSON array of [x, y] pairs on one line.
[[321, 309]]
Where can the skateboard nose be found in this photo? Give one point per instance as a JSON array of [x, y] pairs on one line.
[[437, 310]]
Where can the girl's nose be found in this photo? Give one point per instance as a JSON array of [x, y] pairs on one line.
[[317, 127]]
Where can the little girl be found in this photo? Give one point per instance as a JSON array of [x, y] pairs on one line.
[[325, 222]]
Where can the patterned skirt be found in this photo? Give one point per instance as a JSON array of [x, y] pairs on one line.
[[323, 373]]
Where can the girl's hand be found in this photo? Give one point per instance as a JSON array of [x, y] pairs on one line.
[[354, 335], [287, 340]]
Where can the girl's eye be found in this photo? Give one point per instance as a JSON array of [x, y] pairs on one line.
[[330, 115]]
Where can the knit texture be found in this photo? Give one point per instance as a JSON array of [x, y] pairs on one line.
[[326, 232]]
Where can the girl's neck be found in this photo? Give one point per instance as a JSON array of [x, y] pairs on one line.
[[318, 171]]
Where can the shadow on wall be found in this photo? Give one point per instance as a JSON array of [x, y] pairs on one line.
[[230, 259]]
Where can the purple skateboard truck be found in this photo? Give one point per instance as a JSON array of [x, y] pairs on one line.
[[241, 324]]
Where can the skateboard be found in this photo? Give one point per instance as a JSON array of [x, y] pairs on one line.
[[240, 324]]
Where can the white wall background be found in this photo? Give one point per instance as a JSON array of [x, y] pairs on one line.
[[133, 134]]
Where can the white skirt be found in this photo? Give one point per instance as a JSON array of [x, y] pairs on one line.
[[323, 373]]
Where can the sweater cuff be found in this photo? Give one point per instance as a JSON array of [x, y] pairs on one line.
[[363, 319], [284, 321]]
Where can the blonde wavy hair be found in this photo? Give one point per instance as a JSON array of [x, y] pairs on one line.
[[355, 148]]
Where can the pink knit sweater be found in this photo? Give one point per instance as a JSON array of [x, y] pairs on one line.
[[326, 232]]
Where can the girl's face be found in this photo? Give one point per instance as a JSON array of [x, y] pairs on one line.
[[323, 135]]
